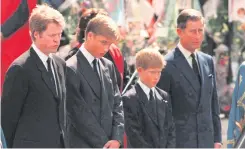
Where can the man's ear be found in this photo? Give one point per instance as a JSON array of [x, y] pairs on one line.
[[89, 35], [179, 32], [139, 69], [77, 30], [36, 34]]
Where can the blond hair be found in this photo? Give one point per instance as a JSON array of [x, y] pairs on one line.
[[149, 58], [43, 15], [104, 26]]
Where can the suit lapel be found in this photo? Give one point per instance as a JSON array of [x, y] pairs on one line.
[[43, 71], [105, 112], [144, 101], [57, 78], [203, 72], [182, 64], [88, 73], [160, 109]]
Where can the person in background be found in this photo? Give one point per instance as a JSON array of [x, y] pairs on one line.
[[236, 121]]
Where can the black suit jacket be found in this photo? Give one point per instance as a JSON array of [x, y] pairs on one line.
[[95, 112], [126, 72], [33, 115], [143, 129], [195, 106]]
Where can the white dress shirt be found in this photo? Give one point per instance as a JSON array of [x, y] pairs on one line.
[[88, 56], [146, 89], [44, 59], [187, 55]]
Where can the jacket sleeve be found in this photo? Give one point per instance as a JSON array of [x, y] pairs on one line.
[[15, 90], [118, 114], [171, 142], [215, 108]]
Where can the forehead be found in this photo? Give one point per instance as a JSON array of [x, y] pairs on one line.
[[194, 24], [104, 38], [154, 69], [53, 28]]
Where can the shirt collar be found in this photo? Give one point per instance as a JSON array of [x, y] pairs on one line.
[[40, 54], [185, 52], [87, 55], [145, 88]]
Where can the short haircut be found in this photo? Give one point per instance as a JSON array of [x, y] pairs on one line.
[[188, 15], [104, 26], [43, 15], [85, 18], [149, 58]]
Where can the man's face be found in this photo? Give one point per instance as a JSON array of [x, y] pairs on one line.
[[150, 76], [98, 45], [191, 37], [48, 41]]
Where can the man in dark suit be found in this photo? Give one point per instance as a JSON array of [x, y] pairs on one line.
[[114, 54], [94, 104], [189, 78], [148, 113], [33, 98]]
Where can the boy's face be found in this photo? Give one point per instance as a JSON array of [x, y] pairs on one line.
[[149, 76], [98, 44]]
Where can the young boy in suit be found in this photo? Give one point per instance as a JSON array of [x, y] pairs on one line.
[[148, 114]]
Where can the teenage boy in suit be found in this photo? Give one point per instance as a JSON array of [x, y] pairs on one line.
[[148, 115]]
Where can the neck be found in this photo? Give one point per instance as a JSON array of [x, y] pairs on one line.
[[40, 48], [145, 84], [188, 49]]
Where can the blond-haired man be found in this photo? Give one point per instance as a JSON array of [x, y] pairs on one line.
[[148, 115], [33, 98], [94, 103]]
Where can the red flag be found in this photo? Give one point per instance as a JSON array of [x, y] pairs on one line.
[[18, 42]]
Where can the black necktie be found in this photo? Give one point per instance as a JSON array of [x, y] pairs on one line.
[[50, 73], [152, 103], [195, 67], [95, 62]]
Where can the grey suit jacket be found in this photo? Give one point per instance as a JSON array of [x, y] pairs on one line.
[[143, 128], [32, 114], [195, 107], [95, 112]]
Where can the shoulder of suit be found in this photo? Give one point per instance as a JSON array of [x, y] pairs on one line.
[[105, 61], [72, 61], [130, 93], [23, 59], [205, 55], [170, 55], [161, 92], [58, 59]]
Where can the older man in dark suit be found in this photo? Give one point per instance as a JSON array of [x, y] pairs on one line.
[[33, 98], [94, 103], [189, 78]]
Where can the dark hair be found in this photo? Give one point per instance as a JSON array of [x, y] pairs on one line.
[[85, 18], [186, 15]]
